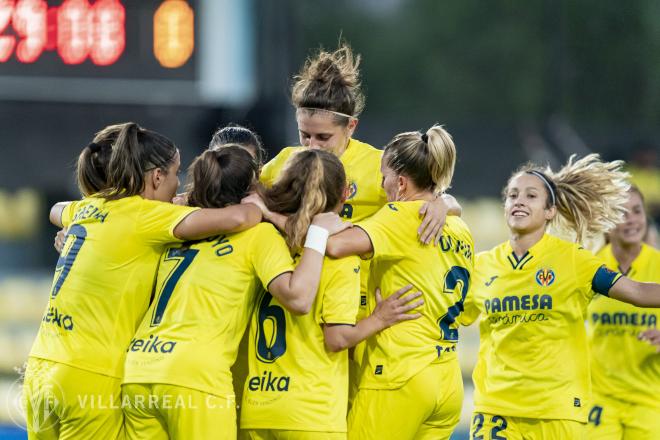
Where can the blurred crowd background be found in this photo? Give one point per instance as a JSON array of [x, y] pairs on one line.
[[512, 81]]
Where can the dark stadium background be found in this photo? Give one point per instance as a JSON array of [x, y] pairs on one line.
[[512, 81]]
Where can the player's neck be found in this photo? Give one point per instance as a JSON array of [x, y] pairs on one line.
[[625, 254], [414, 195], [522, 241]]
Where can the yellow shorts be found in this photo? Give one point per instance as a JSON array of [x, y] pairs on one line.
[[161, 411], [278, 434], [64, 402], [239, 373], [428, 406], [495, 427], [611, 419]]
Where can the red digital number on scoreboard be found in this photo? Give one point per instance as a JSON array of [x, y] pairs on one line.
[[75, 29]]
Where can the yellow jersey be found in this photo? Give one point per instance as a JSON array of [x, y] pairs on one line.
[[533, 357], [103, 280], [362, 165], [294, 383], [204, 295], [621, 365], [442, 273]]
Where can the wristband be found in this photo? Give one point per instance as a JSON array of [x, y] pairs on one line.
[[317, 238]]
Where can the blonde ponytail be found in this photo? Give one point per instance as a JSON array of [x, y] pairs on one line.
[[427, 159], [311, 182], [443, 151]]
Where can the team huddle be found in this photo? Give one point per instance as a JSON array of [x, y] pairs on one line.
[[320, 295]]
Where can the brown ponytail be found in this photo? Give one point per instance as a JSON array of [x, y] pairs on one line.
[[220, 177], [311, 182], [135, 152]]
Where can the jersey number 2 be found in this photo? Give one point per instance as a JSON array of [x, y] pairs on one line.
[[455, 276]]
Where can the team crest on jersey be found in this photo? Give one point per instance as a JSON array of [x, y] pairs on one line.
[[545, 277], [352, 190]]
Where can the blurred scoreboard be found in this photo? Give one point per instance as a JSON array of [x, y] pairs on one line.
[[128, 51]]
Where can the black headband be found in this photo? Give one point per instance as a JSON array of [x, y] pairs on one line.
[[94, 147], [425, 138], [547, 184]]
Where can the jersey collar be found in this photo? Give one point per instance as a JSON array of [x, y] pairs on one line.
[[520, 263]]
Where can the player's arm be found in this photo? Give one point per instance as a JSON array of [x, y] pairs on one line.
[[435, 213], [636, 293], [55, 215], [206, 222], [352, 241], [297, 290], [388, 312]]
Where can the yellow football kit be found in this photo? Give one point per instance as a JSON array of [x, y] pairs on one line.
[[396, 358], [101, 290], [533, 358], [189, 338], [362, 165], [625, 372], [496, 427], [294, 383]]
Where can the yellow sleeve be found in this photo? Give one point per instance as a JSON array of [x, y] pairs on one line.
[[341, 291], [68, 212], [380, 229], [470, 310], [157, 220], [269, 253], [272, 169]]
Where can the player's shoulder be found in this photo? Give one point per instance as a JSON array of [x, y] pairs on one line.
[[458, 226], [366, 152]]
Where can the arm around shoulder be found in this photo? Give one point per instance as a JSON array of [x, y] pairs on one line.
[[55, 215], [352, 241], [208, 222]]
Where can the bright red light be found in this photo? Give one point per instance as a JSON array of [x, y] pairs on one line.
[[7, 42], [108, 36], [29, 22], [72, 31]]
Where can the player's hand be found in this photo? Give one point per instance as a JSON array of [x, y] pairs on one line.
[[434, 214], [652, 336], [181, 199], [331, 222], [256, 199], [60, 239], [396, 307]]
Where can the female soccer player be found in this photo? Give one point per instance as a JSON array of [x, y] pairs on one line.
[[205, 291], [410, 383], [103, 281], [532, 378], [298, 382], [328, 99], [625, 371]]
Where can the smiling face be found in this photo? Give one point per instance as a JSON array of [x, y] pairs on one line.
[[633, 228], [319, 129], [525, 204]]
